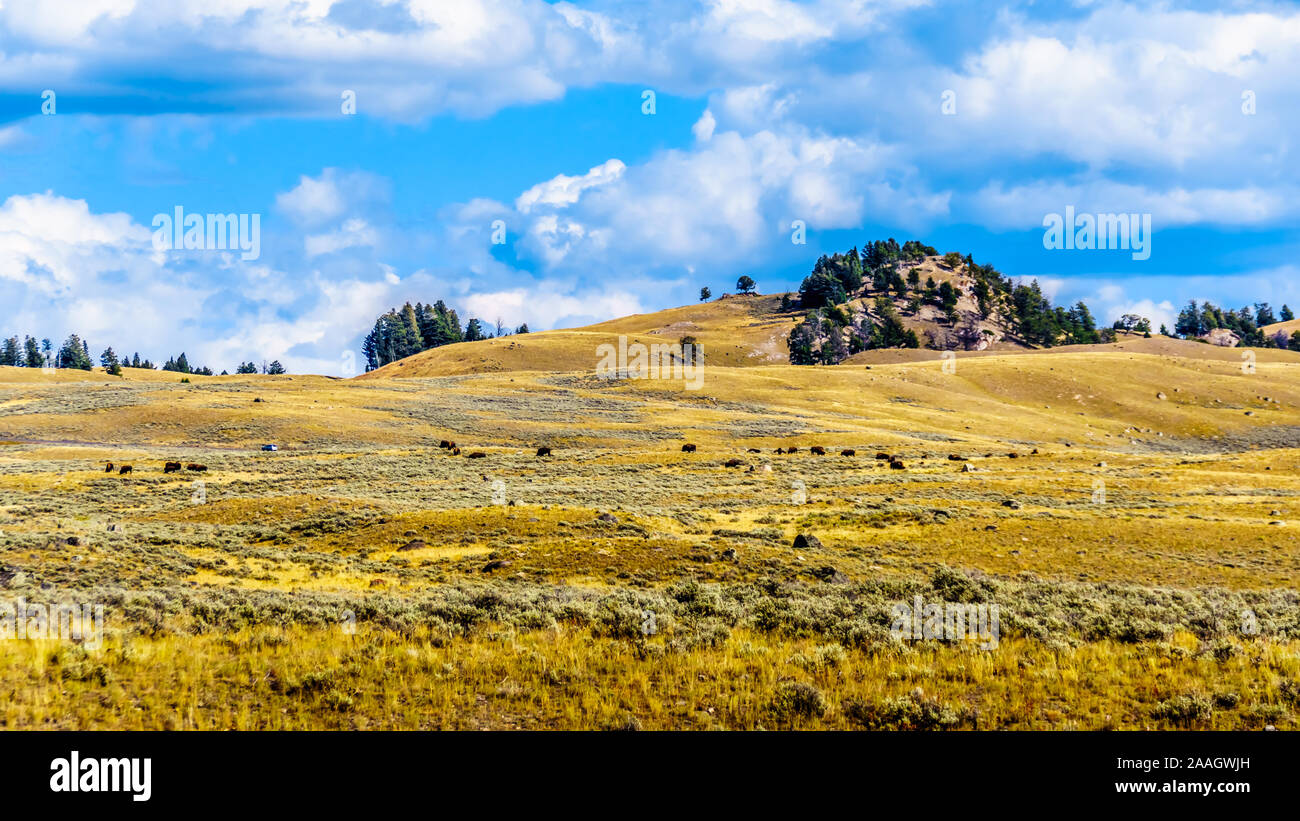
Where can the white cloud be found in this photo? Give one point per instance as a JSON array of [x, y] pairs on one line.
[[354, 233], [12, 135], [562, 190], [66, 269], [703, 128], [1024, 206], [542, 307], [313, 201], [727, 199]]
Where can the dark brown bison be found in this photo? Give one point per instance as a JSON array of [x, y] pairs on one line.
[[109, 469], [124, 469], [171, 467], [755, 450], [848, 452], [543, 451], [478, 454], [196, 467], [445, 445], [817, 450], [779, 450], [897, 464], [791, 450], [455, 451], [733, 463], [880, 454], [688, 448], [1013, 455], [952, 457]]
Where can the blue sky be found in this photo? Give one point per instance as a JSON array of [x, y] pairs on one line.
[[531, 113]]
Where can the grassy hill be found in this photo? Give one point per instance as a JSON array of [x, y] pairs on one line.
[[1288, 328], [734, 330], [1152, 500], [751, 331]]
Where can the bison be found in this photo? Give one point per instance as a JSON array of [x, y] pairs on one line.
[[791, 450], [779, 450], [478, 454], [543, 451], [109, 469], [1013, 455], [755, 450], [952, 457], [171, 467], [817, 450], [455, 451], [124, 469], [445, 445], [897, 464], [688, 448], [733, 463], [848, 452], [196, 467], [880, 454]]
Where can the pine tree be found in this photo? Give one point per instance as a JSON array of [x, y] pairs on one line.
[[32, 351], [109, 360], [11, 353], [1189, 320], [74, 354]]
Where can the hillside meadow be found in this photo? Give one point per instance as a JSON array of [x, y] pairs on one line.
[[1139, 544]]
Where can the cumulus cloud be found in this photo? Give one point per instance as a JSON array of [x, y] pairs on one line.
[[353, 234], [1024, 206], [729, 197], [67, 269], [563, 190], [330, 195], [826, 112]]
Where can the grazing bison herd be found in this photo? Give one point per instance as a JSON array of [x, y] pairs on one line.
[[895, 462], [168, 467], [454, 449]]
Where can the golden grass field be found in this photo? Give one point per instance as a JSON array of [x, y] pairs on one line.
[[363, 577]]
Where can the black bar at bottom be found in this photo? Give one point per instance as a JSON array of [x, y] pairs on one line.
[[331, 771]]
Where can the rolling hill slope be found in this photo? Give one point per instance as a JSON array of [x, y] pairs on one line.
[[733, 330]]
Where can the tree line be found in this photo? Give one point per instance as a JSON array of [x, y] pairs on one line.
[[888, 271], [74, 354], [402, 332], [1199, 319]]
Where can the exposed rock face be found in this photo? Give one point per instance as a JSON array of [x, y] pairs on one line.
[[1222, 337]]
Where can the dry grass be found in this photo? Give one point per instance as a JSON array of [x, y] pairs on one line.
[[492, 592]]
